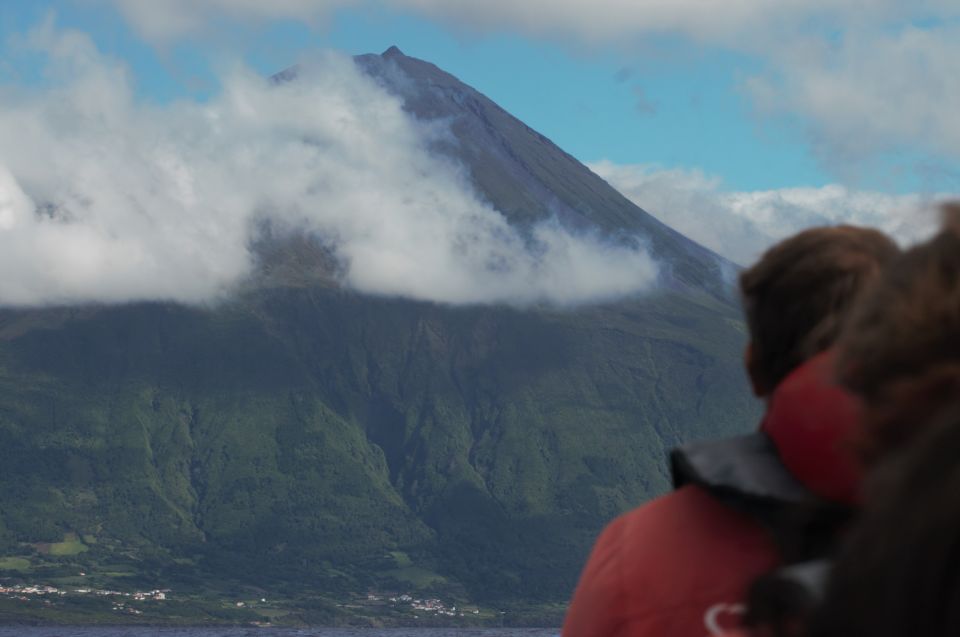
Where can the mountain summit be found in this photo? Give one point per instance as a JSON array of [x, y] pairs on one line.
[[302, 437], [527, 177]]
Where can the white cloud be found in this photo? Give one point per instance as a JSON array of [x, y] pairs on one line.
[[106, 199], [165, 20], [745, 24], [741, 225], [870, 91]]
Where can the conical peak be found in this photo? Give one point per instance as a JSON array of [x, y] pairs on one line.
[[393, 51]]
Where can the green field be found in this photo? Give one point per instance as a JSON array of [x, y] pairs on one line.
[[71, 545], [14, 564]]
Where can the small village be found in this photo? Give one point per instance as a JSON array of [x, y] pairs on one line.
[[427, 606], [119, 600], [25, 592]]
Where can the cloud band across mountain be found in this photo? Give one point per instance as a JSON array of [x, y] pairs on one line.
[[106, 199]]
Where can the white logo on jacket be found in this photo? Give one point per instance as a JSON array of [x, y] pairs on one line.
[[715, 615]]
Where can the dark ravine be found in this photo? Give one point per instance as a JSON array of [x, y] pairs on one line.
[[301, 437]]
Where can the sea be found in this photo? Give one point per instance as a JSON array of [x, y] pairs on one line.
[[108, 631]]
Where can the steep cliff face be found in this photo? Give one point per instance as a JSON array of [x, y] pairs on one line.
[[312, 436]]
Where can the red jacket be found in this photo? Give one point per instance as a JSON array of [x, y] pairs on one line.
[[680, 565]]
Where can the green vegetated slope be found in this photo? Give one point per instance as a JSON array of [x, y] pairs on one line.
[[309, 437]]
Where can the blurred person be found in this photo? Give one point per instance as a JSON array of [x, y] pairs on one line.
[[900, 352], [681, 564], [898, 573]]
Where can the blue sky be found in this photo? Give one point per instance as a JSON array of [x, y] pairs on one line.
[[655, 99]]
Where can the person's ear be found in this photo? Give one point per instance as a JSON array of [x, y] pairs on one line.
[[757, 380]]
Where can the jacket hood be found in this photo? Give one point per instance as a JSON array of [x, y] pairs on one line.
[[803, 450], [813, 423]]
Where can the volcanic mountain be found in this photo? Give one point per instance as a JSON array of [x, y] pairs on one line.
[[302, 436]]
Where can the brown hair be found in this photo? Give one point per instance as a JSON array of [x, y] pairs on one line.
[[797, 296], [901, 349]]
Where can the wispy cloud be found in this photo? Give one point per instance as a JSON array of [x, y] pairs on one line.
[[742, 24], [741, 225], [764, 21], [104, 198], [161, 21], [642, 102], [869, 91]]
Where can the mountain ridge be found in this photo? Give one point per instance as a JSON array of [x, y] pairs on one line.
[[528, 178]]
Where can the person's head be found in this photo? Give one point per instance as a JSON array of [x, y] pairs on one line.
[[900, 351], [797, 296], [899, 573]]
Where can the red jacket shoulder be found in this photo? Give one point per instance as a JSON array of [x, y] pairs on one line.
[[664, 566]]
